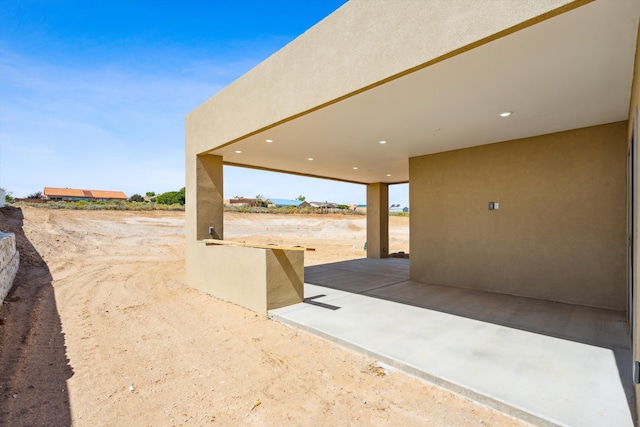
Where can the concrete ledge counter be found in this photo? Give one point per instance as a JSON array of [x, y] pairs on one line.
[[9, 263], [257, 277], [255, 245]]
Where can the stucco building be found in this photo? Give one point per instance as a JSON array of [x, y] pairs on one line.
[[514, 123], [74, 195], [243, 202]]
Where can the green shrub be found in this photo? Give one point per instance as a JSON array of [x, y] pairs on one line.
[[105, 205], [171, 198], [287, 210]]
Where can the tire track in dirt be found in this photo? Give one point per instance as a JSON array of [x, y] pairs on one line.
[[33, 364], [128, 319]]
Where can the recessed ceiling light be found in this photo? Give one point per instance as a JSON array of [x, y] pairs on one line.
[[238, 151], [388, 174], [355, 167], [383, 142], [269, 140], [310, 158], [506, 113]]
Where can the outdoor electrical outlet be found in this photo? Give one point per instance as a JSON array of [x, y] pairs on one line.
[[211, 230], [490, 206]]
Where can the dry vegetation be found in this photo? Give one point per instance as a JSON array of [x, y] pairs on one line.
[[101, 330]]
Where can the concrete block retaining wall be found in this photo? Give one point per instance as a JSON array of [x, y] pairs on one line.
[[9, 263]]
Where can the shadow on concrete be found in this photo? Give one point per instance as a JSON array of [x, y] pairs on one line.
[[388, 279], [34, 368]]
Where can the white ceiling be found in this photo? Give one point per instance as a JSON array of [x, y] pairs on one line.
[[571, 71]]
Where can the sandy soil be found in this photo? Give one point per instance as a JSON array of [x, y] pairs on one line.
[[100, 329], [335, 237]]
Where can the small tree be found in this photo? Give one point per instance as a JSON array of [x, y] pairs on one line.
[[150, 194], [261, 200], [35, 195], [301, 198], [171, 198], [136, 198]]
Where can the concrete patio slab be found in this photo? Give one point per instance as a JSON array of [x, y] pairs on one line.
[[544, 362]]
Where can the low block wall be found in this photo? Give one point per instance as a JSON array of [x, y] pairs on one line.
[[256, 278], [9, 263]]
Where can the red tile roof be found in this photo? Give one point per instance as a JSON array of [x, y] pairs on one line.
[[103, 194], [73, 192]]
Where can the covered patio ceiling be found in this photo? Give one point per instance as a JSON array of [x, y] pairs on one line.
[[571, 71]]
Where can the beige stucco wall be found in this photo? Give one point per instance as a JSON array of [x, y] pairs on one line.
[[635, 99], [361, 44], [257, 279], [377, 220], [285, 277], [559, 233], [209, 197]]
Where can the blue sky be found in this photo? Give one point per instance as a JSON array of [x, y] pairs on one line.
[[93, 94]]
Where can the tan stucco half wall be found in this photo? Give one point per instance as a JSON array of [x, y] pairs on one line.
[[559, 233], [255, 278]]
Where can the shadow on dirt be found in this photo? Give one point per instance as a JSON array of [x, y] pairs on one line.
[[34, 368]]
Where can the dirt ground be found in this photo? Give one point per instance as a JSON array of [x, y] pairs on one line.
[[101, 330]]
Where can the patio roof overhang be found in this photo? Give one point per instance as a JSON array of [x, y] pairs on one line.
[[571, 71]]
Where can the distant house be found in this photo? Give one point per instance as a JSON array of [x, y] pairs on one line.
[[405, 209], [323, 205], [73, 194], [284, 203], [241, 201]]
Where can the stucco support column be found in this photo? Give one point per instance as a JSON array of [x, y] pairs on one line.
[[209, 197], [377, 220]]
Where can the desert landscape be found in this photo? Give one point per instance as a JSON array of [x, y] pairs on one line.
[[100, 329]]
